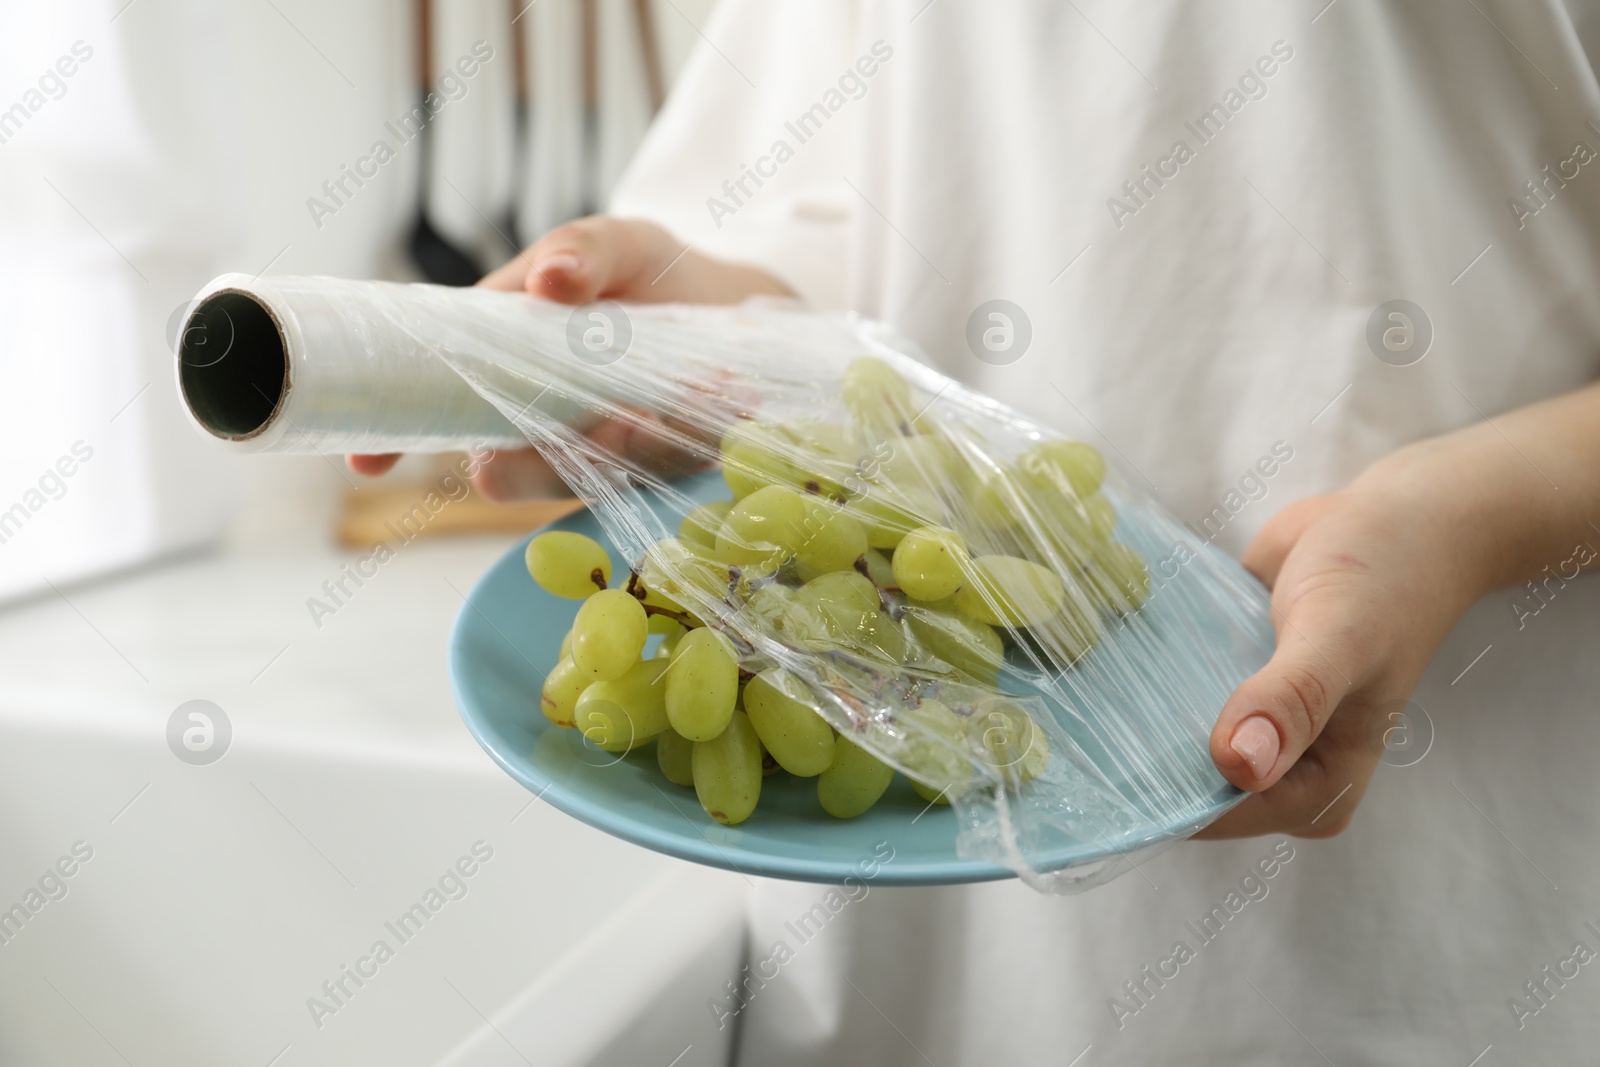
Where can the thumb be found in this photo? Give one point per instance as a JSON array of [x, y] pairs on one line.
[[1275, 715]]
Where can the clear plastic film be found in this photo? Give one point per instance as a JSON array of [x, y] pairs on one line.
[[977, 602]]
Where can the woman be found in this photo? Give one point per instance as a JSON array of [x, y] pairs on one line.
[[1365, 237]]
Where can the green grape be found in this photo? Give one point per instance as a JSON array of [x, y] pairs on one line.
[[753, 456], [1069, 634], [671, 632], [935, 752], [832, 539], [803, 573], [1070, 466], [700, 526], [853, 782], [878, 635], [1074, 529], [727, 772], [1008, 591], [675, 757], [1008, 739], [879, 569], [1102, 516], [769, 765], [807, 629], [655, 578], [797, 621], [833, 439], [927, 462], [768, 606], [972, 647], [996, 497], [608, 634], [785, 718], [655, 598], [568, 564], [665, 625], [888, 513], [1116, 579], [558, 698], [929, 564], [702, 684], [684, 573], [825, 457], [875, 394], [763, 529], [777, 610], [847, 604], [566, 644], [623, 713]]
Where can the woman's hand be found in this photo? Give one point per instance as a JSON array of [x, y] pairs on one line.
[[602, 258], [1367, 582], [1362, 596]]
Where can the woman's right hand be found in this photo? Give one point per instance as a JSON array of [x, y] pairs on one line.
[[601, 258]]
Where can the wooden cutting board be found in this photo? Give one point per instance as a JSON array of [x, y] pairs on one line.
[[403, 511]]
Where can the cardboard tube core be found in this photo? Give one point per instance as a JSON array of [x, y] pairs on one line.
[[234, 365], [329, 365]]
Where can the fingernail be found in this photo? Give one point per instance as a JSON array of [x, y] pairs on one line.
[[1256, 741], [560, 263]]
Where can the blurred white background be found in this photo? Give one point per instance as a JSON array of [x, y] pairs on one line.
[[190, 142], [141, 568]]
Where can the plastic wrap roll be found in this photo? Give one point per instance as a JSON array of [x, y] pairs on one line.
[[287, 364]]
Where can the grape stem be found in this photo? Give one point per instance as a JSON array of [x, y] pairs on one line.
[[678, 617], [636, 589], [887, 602], [598, 577]]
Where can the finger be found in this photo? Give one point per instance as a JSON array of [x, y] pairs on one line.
[[1317, 798], [372, 466], [511, 277], [660, 447], [510, 476], [653, 444], [1264, 558], [1275, 715], [577, 262], [591, 258]]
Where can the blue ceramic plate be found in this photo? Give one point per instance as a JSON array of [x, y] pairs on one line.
[[506, 637]]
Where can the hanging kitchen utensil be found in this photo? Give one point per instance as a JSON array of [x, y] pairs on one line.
[[650, 49], [439, 259], [510, 227], [591, 194]]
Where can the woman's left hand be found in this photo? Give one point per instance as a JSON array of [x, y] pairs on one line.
[[1364, 589]]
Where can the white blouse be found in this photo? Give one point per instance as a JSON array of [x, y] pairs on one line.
[[1225, 233]]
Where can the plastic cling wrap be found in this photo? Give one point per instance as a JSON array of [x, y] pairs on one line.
[[965, 596]]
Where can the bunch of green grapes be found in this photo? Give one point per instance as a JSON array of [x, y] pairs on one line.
[[877, 547]]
